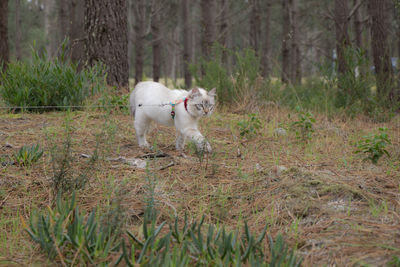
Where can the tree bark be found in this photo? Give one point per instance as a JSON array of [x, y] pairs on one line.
[[358, 26], [139, 12], [267, 43], [223, 30], [107, 32], [156, 34], [378, 11], [255, 22], [49, 27], [208, 29], [285, 41], [18, 37], [295, 76], [76, 31], [342, 34], [63, 21], [4, 49], [186, 43]]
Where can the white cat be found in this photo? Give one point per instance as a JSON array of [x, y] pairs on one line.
[[151, 101]]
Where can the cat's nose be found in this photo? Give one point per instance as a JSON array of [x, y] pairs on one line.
[[206, 110]]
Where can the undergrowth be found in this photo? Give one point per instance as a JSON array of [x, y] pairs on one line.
[[50, 82], [350, 94], [69, 236]]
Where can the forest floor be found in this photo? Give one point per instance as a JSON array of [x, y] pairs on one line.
[[334, 207]]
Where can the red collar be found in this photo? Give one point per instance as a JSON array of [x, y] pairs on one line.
[[185, 103]]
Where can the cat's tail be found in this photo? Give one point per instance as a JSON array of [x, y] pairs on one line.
[[132, 103]]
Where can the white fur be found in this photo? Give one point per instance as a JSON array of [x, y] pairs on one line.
[[149, 101]]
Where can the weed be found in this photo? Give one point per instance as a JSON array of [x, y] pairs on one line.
[[64, 178], [304, 126], [377, 209], [215, 246], [374, 145], [112, 101], [250, 127], [394, 262], [71, 235], [28, 155], [231, 85]]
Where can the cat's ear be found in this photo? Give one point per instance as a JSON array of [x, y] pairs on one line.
[[212, 92], [195, 92]]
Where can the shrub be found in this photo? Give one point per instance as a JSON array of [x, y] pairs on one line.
[[304, 126], [374, 145], [27, 155], [231, 85], [249, 127], [45, 82]]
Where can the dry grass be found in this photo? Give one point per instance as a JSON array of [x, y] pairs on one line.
[[337, 209]]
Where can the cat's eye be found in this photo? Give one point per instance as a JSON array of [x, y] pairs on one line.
[[198, 106]]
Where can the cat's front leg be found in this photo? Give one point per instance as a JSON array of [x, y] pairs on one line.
[[180, 141], [198, 139]]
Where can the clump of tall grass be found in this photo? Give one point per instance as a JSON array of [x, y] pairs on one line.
[[233, 85], [49, 82]]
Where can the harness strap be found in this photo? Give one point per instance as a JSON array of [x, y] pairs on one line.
[[173, 104]]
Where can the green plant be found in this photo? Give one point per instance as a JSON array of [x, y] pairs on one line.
[[374, 145], [394, 262], [250, 127], [213, 246], [71, 236], [64, 176], [110, 101], [304, 126], [231, 84], [28, 155], [51, 83], [191, 244]]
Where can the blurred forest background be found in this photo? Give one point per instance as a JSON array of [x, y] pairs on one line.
[[351, 46]]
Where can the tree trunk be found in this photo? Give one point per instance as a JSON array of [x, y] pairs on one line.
[[255, 22], [285, 41], [295, 76], [358, 26], [63, 24], [49, 27], [156, 34], [208, 29], [18, 38], [4, 50], [380, 49], [139, 11], [267, 42], [107, 32], [342, 35], [76, 31], [186, 43]]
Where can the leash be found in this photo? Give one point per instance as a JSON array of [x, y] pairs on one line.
[[172, 104]]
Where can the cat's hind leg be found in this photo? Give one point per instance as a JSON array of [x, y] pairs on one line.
[[142, 125]]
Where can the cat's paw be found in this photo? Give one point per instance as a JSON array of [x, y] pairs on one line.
[[205, 147], [208, 147], [145, 146]]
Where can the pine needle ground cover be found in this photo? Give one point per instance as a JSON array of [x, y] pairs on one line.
[[328, 203]]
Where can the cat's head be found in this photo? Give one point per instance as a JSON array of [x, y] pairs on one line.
[[200, 102]]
